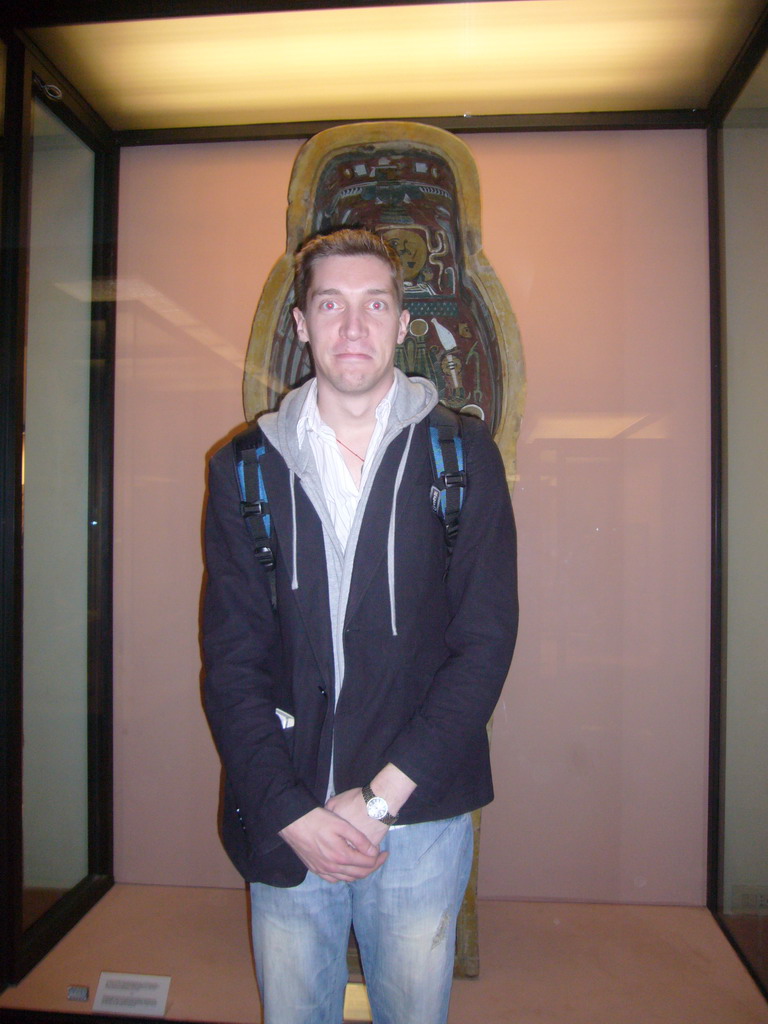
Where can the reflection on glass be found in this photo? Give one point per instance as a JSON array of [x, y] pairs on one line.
[[745, 812], [55, 488]]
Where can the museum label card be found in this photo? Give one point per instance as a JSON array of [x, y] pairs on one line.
[[143, 995]]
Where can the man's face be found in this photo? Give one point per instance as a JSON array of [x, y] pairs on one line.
[[352, 324]]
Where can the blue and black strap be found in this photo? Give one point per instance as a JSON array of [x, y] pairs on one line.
[[249, 448], [449, 488]]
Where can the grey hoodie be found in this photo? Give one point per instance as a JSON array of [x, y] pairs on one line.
[[414, 398]]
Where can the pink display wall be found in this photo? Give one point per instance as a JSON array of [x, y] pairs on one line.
[[600, 740]]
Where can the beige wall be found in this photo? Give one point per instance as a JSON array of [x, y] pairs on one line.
[[600, 740]]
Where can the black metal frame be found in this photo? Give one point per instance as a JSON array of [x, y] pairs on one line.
[[12, 1016], [27, 72], [15, 231], [20, 14], [36, 13], [717, 532], [460, 125]]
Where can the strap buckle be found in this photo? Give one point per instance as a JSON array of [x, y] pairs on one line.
[[265, 555], [254, 508], [458, 479]]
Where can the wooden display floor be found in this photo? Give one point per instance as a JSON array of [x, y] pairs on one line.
[[540, 963]]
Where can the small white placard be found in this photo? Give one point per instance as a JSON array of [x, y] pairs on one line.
[[143, 995]]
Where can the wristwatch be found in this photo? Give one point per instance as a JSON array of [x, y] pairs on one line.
[[377, 807]]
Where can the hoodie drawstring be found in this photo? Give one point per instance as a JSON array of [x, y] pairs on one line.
[[391, 534], [295, 576]]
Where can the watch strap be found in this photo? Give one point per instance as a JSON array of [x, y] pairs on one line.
[[387, 819]]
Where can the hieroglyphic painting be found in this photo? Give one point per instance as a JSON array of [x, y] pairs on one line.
[[418, 187]]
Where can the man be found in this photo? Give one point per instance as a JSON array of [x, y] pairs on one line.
[[352, 804]]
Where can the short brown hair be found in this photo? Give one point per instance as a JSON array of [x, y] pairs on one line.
[[344, 242]]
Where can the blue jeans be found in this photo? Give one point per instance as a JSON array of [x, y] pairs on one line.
[[404, 917]]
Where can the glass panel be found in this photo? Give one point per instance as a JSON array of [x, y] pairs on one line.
[[745, 812], [600, 744], [55, 487]]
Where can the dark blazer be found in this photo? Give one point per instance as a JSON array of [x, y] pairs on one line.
[[420, 699]]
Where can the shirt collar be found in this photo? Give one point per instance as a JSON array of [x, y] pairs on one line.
[[310, 415]]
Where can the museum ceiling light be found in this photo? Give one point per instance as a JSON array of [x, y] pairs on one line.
[[430, 60]]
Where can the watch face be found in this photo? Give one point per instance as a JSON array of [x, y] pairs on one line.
[[377, 807]]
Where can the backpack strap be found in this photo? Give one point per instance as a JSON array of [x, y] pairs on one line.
[[446, 451], [248, 447]]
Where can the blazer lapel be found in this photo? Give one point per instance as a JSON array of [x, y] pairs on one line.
[[312, 593], [371, 548]]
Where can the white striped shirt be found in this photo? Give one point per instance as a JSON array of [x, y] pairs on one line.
[[341, 492]]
